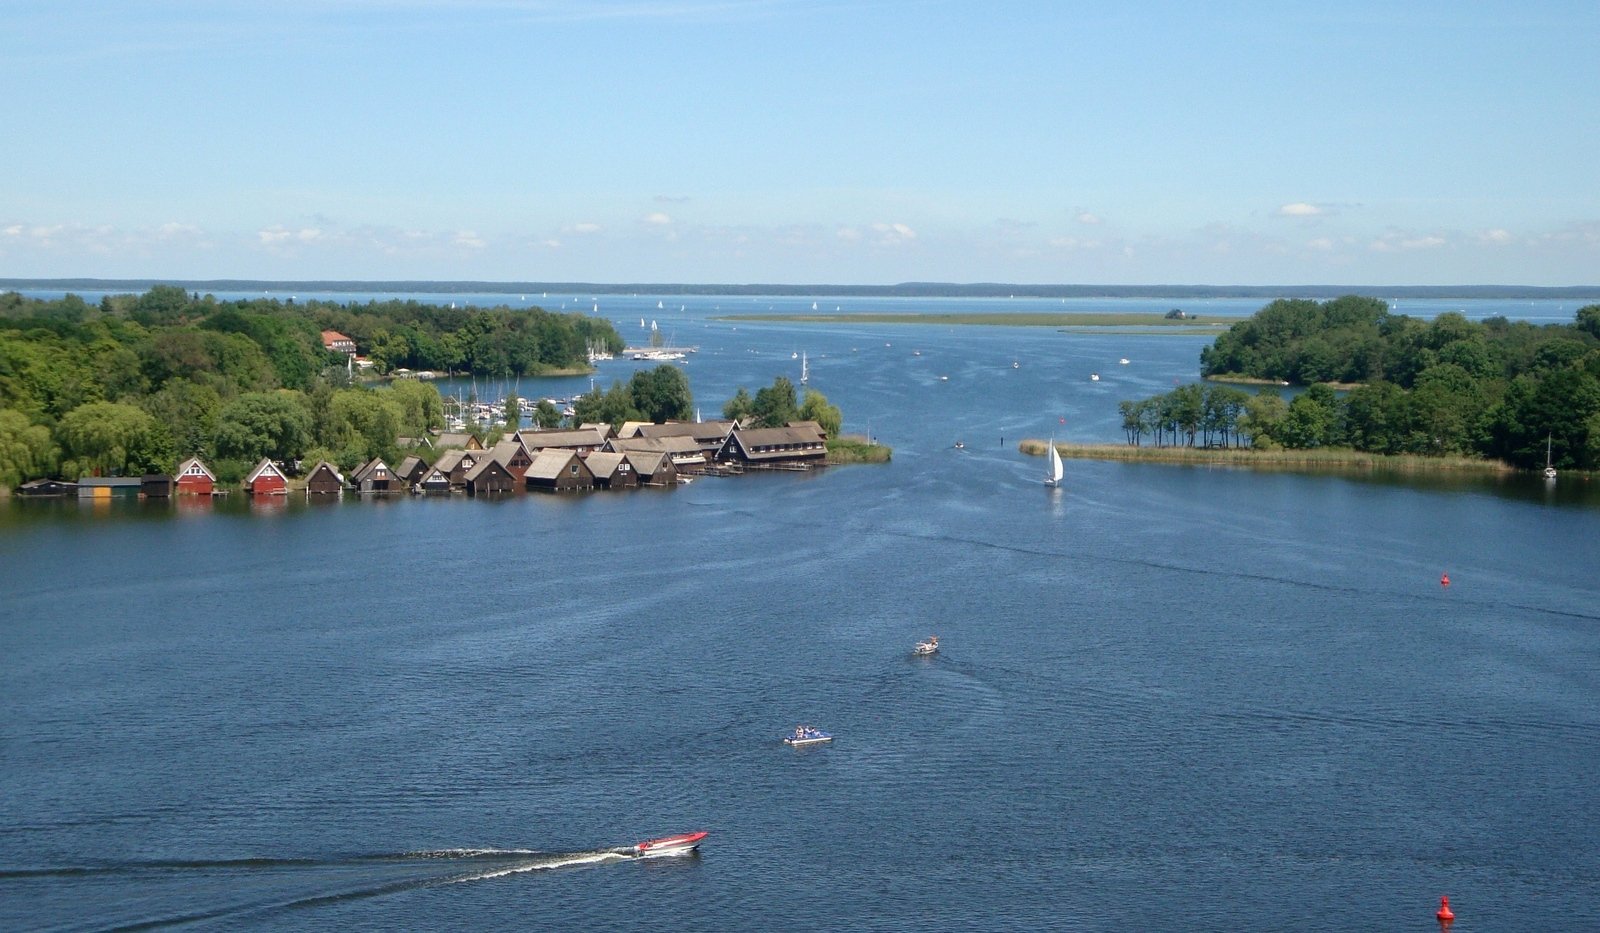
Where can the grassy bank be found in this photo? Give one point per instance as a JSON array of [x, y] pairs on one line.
[[1322, 458], [1068, 321], [853, 448]]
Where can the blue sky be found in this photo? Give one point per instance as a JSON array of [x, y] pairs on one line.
[[802, 141]]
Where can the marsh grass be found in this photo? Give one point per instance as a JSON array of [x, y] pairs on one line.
[[1319, 459]]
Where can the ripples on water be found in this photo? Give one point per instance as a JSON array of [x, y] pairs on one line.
[[1166, 697]]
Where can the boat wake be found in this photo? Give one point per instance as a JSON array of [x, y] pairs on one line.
[[282, 885]]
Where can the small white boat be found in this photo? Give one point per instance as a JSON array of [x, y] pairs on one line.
[[1056, 469], [1122, 362], [925, 648], [681, 844], [1094, 377], [807, 735], [1549, 469]]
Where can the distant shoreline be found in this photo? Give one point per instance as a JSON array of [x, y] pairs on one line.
[[1141, 319], [1320, 459], [903, 289]]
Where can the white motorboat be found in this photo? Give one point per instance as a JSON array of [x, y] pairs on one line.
[[807, 735], [925, 648]]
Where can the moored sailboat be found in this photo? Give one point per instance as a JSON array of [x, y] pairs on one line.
[[1056, 469]]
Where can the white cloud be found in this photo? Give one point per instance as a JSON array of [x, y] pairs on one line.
[[1085, 217], [658, 219], [470, 240], [1321, 244], [848, 234], [1299, 209], [1403, 243], [585, 228], [1496, 236]]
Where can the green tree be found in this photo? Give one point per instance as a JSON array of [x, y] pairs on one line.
[[111, 438], [815, 407], [513, 414], [1263, 419], [662, 394], [1312, 420], [264, 424], [365, 424], [421, 406], [774, 406], [1588, 320], [546, 415], [739, 407], [26, 450]]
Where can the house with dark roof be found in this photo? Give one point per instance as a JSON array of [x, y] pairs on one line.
[[708, 436], [324, 480], [611, 470], [434, 480], [458, 439], [774, 447], [488, 476], [47, 487], [375, 476], [581, 441], [411, 471], [559, 470], [514, 457], [687, 457], [456, 463], [652, 468], [108, 487]]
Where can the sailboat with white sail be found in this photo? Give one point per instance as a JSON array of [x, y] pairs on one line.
[[1549, 468], [805, 371], [1056, 470]]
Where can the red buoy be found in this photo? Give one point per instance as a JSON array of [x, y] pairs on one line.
[[1444, 579], [1445, 914]]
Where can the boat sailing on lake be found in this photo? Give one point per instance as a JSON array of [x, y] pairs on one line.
[[807, 735], [1056, 469], [925, 648]]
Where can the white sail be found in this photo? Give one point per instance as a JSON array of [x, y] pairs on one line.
[[1056, 471]]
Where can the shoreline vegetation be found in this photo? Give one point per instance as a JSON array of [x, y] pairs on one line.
[[1311, 460], [855, 448], [1062, 320]]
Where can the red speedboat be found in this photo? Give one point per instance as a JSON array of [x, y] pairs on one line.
[[681, 844]]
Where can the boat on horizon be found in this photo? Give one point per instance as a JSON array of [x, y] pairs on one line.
[[681, 844], [807, 735], [925, 648]]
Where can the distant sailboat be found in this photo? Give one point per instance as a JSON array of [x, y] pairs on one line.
[[813, 306], [658, 306], [805, 371], [1549, 469], [1056, 470]]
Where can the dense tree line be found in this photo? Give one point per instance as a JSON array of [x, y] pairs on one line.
[[775, 406], [137, 382], [1495, 389]]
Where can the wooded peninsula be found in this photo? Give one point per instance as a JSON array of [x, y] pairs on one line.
[[1494, 390], [135, 383]]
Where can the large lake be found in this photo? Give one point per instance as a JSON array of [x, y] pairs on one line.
[[1168, 697]]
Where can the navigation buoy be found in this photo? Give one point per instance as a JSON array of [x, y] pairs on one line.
[[1444, 579], [1445, 915]]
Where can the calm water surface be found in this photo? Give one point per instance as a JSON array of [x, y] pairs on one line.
[[1168, 698]]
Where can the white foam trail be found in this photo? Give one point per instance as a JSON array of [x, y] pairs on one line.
[[577, 858]]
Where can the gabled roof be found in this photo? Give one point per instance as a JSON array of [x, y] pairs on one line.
[[265, 468], [604, 464], [410, 466], [457, 439], [757, 444], [451, 459], [366, 470], [505, 451], [434, 475], [539, 440], [670, 445], [647, 462], [550, 462], [195, 462], [325, 465], [704, 431], [485, 467], [630, 428], [602, 428]]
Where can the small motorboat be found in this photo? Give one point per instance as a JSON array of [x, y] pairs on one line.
[[960, 445], [807, 735], [681, 844], [925, 648], [1094, 377]]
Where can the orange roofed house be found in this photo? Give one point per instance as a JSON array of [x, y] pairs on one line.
[[338, 343]]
